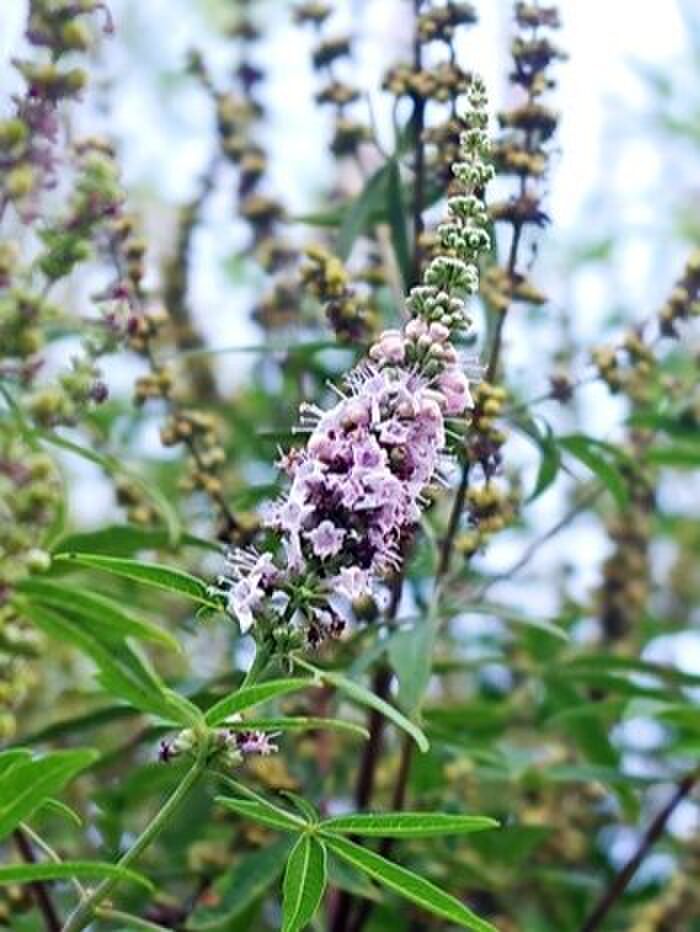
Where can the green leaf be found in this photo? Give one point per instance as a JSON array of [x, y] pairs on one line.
[[124, 540], [675, 455], [241, 886], [151, 574], [407, 824], [411, 656], [59, 808], [409, 885], [260, 810], [66, 870], [304, 883], [364, 696], [549, 464], [347, 878], [12, 757], [602, 459], [358, 218], [122, 672], [28, 782], [114, 465], [75, 724], [252, 696], [397, 220], [79, 604], [301, 805]]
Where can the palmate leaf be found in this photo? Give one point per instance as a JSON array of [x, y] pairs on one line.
[[407, 884], [66, 870], [150, 574], [407, 824], [304, 883], [27, 782]]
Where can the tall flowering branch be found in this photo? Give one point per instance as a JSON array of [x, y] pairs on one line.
[[357, 488]]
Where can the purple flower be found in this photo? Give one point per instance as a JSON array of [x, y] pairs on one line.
[[326, 539], [255, 742], [352, 582]]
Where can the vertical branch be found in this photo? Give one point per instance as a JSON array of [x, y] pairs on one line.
[[39, 891], [418, 152], [370, 759], [621, 880]]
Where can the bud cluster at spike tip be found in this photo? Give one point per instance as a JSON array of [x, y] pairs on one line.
[[356, 488]]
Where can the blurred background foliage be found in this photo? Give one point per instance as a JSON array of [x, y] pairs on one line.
[[259, 228]]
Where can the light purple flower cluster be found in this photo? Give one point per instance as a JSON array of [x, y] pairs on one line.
[[232, 744], [356, 489]]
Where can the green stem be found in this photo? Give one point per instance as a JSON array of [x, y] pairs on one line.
[[128, 920], [85, 911], [262, 657]]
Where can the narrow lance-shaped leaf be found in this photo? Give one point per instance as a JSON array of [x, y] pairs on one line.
[[115, 621], [264, 812], [602, 459], [151, 574], [67, 870], [253, 695], [397, 220], [364, 696], [407, 824], [304, 883], [28, 782], [407, 884], [370, 201], [121, 672]]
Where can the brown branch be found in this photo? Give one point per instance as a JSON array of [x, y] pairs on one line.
[[419, 152], [370, 759], [39, 891], [453, 523], [619, 883]]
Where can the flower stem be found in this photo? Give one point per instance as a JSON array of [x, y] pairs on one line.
[[85, 911], [262, 657]]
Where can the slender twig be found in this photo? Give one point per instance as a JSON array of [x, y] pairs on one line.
[[128, 920], [453, 522], [370, 759], [39, 890], [398, 801], [49, 852], [619, 883], [85, 911], [418, 152]]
